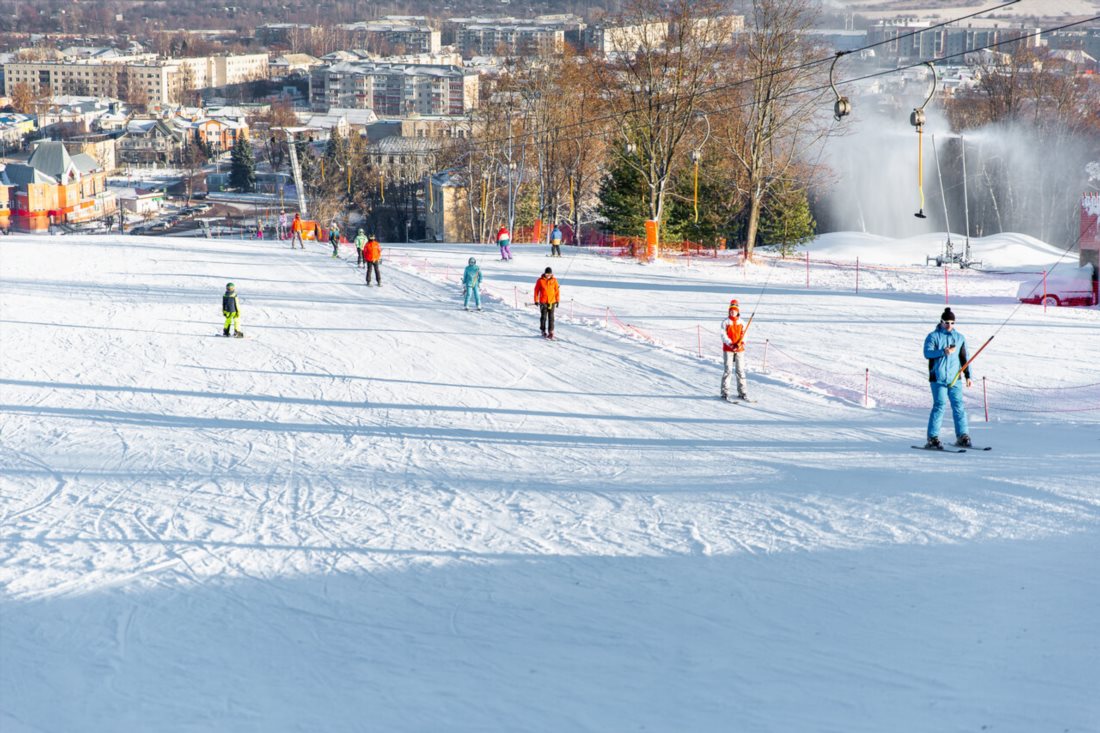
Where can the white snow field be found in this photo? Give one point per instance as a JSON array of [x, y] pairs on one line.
[[379, 512]]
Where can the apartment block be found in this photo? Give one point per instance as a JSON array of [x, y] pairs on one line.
[[953, 41], [396, 90], [154, 81], [394, 34]]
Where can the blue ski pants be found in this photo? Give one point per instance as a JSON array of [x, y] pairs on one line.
[[472, 291], [941, 395]]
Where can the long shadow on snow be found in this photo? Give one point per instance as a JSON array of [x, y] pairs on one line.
[[477, 387], [511, 437], [359, 404], [894, 637]]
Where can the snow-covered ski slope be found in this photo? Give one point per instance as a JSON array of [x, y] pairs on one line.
[[380, 512]]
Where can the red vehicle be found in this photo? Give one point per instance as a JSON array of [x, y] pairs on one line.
[[1065, 285]]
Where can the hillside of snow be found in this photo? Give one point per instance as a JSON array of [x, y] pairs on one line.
[[381, 512]]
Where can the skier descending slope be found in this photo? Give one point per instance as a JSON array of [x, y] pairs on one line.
[[471, 280], [733, 352], [360, 242], [504, 239], [372, 253], [231, 311], [547, 296], [945, 349]]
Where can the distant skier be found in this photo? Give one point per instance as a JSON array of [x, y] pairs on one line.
[[945, 350], [231, 311], [733, 352], [547, 295], [334, 238], [282, 232], [471, 280], [296, 227], [372, 252], [555, 242], [360, 242], [504, 239]]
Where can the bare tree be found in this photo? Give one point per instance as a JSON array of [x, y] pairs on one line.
[[772, 123], [664, 62]]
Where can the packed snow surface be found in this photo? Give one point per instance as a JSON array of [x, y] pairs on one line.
[[381, 512]]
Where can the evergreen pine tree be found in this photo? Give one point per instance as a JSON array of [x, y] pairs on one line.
[[786, 221], [624, 199], [242, 172], [681, 223]]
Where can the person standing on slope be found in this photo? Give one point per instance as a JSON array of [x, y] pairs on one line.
[[296, 231], [547, 295], [360, 241], [372, 252], [945, 350], [503, 240], [733, 352], [555, 242], [282, 232], [471, 280], [334, 238], [231, 311]]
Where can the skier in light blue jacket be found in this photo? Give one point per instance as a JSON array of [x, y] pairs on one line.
[[471, 280], [945, 350]]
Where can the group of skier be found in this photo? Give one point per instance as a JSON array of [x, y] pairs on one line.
[[944, 347]]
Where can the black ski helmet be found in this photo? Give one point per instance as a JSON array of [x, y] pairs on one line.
[[472, 261]]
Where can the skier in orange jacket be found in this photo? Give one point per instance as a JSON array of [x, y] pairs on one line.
[[547, 295], [372, 253], [733, 352]]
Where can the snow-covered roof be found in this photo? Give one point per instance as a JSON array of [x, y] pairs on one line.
[[86, 163], [19, 174], [51, 158]]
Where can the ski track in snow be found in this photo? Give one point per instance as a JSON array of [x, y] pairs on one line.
[[379, 510]]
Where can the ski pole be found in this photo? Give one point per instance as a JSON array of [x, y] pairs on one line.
[[970, 361]]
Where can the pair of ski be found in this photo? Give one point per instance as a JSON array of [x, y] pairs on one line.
[[736, 400], [952, 448]]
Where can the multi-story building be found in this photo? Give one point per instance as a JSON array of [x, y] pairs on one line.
[[506, 39], [141, 78], [610, 39], [396, 90], [149, 143], [914, 39], [284, 34], [394, 34], [54, 187]]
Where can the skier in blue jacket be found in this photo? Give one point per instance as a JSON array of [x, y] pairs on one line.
[[945, 349], [471, 280], [555, 242]]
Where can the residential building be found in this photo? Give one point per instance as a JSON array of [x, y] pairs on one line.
[[284, 34], [396, 90], [150, 143], [13, 128], [510, 39], [292, 63], [422, 126], [219, 133], [138, 79], [394, 34], [343, 121], [915, 39], [611, 39], [54, 187]]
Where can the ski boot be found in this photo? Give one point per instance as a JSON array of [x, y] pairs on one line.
[[933, 444], [225, 332], [963, 441]]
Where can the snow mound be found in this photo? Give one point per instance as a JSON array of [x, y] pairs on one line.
[[998, 251]]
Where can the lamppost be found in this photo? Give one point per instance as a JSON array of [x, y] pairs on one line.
[[696, 156]]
